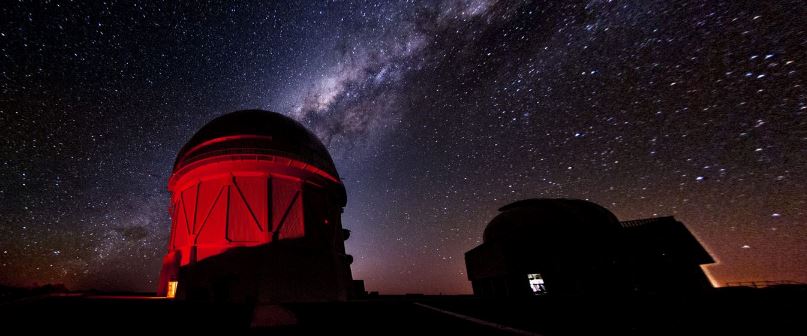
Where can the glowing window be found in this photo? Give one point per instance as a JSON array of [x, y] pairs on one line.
[[536, 283], [172, 289]]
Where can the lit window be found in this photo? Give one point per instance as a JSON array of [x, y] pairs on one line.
[[172, 289], [536, 283]]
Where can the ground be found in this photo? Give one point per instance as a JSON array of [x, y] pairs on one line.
[[770, 311]]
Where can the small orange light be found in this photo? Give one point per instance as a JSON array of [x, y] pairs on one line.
[[172, 289]]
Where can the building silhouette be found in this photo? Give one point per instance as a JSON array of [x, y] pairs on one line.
[[578, 248], [256, 205]]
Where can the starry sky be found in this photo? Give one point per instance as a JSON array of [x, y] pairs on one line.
[[436, 114]]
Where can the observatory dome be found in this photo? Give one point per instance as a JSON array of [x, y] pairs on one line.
[[256, 132], [551, 219], [256, 194]]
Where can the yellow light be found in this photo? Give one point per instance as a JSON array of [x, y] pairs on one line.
[[172, 289]]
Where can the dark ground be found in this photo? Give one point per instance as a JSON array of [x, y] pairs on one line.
[[770, 311]]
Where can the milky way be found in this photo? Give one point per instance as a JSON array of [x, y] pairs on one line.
[[437, 113]]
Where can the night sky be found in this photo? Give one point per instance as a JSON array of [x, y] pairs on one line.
[[436, 114]]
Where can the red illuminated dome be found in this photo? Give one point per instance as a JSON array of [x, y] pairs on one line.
[[253, 179]]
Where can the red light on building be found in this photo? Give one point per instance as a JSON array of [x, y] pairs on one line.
[[248, 179]]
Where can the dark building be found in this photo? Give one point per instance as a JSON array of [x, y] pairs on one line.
[[579, 248], [256, 207], [665, 257]]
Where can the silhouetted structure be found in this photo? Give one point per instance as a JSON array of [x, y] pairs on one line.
[[256, 204], [576, 247], [664, 256]]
